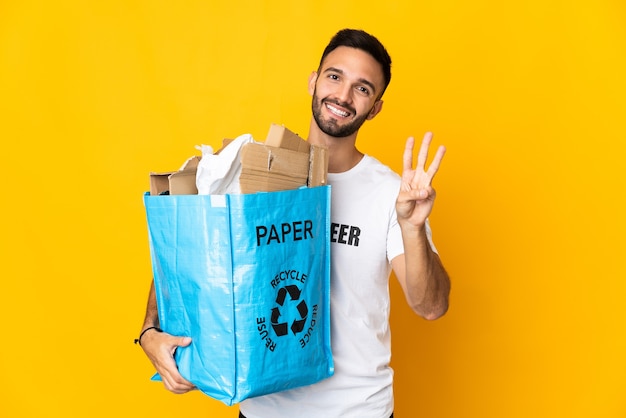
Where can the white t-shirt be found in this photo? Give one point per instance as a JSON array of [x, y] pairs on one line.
[[365, 237]]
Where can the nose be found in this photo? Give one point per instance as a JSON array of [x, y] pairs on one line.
[[344, 93]]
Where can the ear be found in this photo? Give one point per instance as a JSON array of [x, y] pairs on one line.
[[378, 106], [312, 81]]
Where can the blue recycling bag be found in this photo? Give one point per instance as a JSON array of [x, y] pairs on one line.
[[247, 277]]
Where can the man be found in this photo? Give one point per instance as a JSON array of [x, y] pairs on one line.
[[391, 214]]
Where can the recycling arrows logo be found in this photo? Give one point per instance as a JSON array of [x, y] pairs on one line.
[[279, 323]]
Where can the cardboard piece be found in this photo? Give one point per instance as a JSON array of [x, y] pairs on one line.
[[318, 166], [284, 161], [268, 169], [281, 137], [182, 181]]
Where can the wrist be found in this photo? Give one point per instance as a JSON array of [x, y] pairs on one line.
[[411, 228], [138, 339]]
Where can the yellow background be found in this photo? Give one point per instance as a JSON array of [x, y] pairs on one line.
[[529, 97]]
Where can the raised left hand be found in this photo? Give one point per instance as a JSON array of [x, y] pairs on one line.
[[416, 198]]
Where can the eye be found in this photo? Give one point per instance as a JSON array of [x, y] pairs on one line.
[[334, 77], [363, 90]]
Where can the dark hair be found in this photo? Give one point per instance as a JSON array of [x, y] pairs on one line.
[[359, 39]]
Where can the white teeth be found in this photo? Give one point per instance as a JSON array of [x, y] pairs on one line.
[[337, 111]]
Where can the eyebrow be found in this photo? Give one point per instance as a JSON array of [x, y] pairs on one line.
[[360, 80]]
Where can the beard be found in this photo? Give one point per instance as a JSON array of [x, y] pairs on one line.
[[330, 126]]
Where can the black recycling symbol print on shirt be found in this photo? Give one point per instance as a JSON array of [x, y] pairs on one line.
[[285, 311]]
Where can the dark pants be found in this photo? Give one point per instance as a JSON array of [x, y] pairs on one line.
[[243, 416]]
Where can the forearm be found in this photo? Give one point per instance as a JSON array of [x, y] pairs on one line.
[[152, 315], [426, 283]]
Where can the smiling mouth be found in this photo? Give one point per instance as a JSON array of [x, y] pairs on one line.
[[336, 111]]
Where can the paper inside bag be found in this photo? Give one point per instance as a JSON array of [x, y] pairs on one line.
[[219, 173]]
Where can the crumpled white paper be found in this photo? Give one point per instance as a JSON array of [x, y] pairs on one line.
[[219, 174]]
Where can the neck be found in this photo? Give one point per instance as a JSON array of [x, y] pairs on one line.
[[342, 152]]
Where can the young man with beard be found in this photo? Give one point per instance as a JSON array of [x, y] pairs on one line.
[[391, 213]]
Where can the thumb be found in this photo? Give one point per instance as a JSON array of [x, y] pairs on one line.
[[183, 341]]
